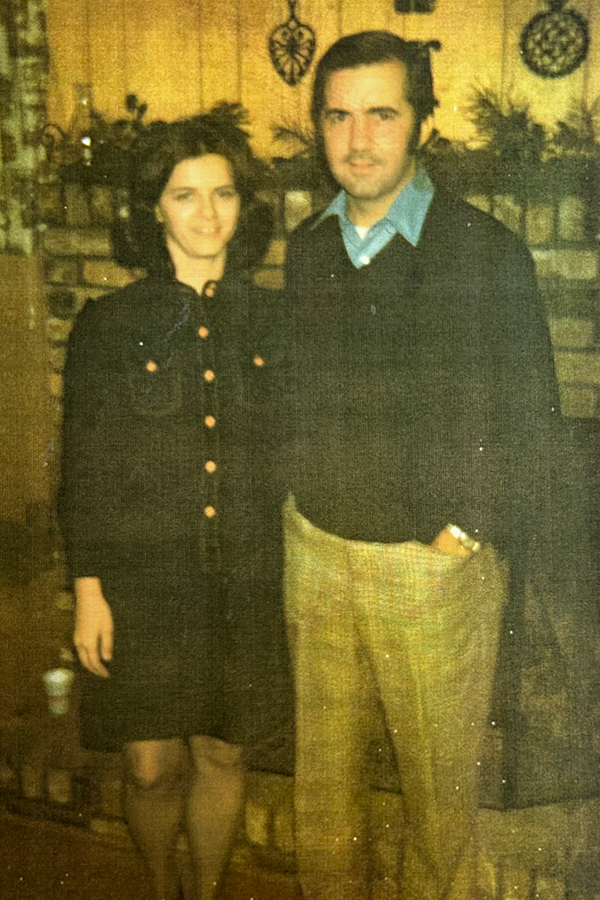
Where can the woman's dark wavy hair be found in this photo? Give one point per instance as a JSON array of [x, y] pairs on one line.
[[139, 241], [366, 48]]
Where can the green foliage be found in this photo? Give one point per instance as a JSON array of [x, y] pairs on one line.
[[295, 136], [113, 142], [579, 134], [513, 147], [302, 167], [100, 150], [105, 151], [507, 128]]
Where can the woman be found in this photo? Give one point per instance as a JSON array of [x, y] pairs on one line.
[[169, 510]]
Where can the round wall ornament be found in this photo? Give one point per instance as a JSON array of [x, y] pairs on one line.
[[556, 42], [292, 47]]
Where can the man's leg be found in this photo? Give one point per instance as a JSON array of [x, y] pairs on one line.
[[432, 631], [334, 702]]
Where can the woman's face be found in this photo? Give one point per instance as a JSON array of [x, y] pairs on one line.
[[199, 209]]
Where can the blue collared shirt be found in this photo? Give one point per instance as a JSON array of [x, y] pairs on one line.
[[405, 216]]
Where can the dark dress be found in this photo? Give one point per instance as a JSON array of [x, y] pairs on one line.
[[172, 423]]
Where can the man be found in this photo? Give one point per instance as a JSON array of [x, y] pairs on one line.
[[426, 406]]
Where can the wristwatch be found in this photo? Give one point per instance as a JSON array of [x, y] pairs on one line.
[[463, 539]]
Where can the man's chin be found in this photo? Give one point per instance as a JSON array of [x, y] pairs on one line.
[[361, 188]]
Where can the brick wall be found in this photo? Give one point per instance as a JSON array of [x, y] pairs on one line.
[[567, 265]]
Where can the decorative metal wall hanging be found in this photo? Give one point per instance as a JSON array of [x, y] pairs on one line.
[[292, 47], [556, 42]]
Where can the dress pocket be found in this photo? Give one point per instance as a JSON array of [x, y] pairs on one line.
[[156, 390]]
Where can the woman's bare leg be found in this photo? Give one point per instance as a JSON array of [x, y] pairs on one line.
[[213, 810], [154, 807]]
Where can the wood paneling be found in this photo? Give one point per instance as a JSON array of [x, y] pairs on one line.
[[180, 56], [69, 57], [163, 55], [108, 58], [471, 36], [262, 90], [219, 42]]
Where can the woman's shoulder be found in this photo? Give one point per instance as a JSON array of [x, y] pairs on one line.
[[142, 301], [125, 297], [114, 303]]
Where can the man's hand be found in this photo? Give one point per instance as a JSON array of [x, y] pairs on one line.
[[93, 637], [447, 543]]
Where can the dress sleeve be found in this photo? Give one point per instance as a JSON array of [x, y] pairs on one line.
[[85, 383]]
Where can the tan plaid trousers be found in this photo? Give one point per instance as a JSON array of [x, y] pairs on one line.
[[404, 632]]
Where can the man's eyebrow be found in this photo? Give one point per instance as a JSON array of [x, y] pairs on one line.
[[379, 109]]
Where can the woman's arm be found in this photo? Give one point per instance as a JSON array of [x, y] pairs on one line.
[[93, 637]]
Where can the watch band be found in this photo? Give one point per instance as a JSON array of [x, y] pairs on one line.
[[463, 539]]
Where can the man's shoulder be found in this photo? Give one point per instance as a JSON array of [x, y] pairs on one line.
[[264, 305], [453, 216], [313, 229]]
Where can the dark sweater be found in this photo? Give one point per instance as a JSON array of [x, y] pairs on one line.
[[426, 388]]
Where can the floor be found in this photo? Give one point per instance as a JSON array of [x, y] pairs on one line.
[[42, 860], [47, 861]]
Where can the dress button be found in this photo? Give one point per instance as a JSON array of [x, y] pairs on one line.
[[364, 260], [210, 512], [203, 331], [210, 421], [210, 289], [209, 375], [210, 466], [151, 366], [258, 361]]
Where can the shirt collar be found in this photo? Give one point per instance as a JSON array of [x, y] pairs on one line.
[[406, 215]]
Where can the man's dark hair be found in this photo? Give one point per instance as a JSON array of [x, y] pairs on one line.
[[140, 242], [368, 47]]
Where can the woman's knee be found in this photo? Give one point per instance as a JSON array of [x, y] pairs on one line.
[[156, 766], [212, 753]]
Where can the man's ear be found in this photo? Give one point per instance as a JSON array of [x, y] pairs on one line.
[[158, 215], [427, 129]]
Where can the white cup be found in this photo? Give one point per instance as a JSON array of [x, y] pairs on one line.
[[58, 684]]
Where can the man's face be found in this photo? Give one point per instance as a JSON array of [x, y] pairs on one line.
[[368, 130]]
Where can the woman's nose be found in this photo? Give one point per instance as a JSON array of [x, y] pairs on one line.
[[205, 208]]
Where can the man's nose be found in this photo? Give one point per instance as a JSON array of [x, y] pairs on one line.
[[359, 133]]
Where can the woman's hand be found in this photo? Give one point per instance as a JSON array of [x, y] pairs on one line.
[[93, 637]]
